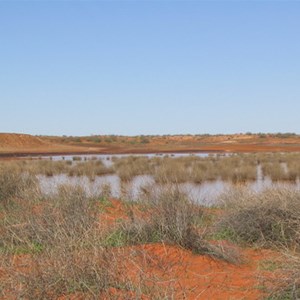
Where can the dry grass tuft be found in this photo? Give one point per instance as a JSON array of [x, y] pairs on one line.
[[285, 282], [15, 184], [270, 218], [169, 217]]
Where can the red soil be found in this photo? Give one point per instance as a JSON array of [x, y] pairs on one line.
[[199, 276], [188, 275], [179, 272], [14, 140], [24, 145]]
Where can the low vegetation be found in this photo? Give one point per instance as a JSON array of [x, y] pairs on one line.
[[270, 219], [61, 241], [72, 243], [15, 184], [235, 168], [286, 284], [129, 167], [266, 219], [169, 217]]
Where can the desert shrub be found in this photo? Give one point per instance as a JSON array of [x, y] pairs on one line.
[[285, 135], [62, 271], [286, 282], [14, 183], [131, 166], [45, 167], [172, 170], [94, 139], [293, 169], [64, 244], [63, 236], [74, 207], [76, 158], [236, 168], [105, 191], [174, 217], [244, 173], [63, 219], [95, 273], [268, 218], [90, 168], [144, 139], [275, 171], [169, 217], [204, 170], [108, 140]]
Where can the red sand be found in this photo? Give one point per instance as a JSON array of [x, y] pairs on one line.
[[192, 276], [16, 145], [178, 272]]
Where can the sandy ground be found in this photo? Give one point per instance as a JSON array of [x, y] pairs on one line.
[[171, 268], [14, 145]]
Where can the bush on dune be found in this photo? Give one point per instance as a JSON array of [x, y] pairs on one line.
[[169, 217], [269, 218]]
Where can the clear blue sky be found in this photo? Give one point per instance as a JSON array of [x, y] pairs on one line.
[[149, 67]]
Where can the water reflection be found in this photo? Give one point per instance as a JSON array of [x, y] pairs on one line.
[[206, 193], [107, 159]]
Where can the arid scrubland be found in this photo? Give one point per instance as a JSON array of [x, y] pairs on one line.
[[73, 244]]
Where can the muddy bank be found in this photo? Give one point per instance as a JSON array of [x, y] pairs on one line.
[[215, 149]]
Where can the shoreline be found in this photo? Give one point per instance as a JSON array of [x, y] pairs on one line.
[[68, 153], [212, 149]]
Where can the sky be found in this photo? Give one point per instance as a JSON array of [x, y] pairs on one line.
[[149, 67]]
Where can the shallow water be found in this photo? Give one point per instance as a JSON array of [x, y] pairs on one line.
[[49, 185], [107, 159], [206, 193]]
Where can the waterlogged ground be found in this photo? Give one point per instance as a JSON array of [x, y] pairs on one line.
[[107, 159], [206, 193]]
